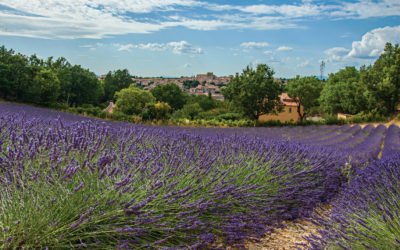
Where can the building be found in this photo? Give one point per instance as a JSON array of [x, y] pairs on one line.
[[208, 83], [110, 108], [206, 78], [289, 112], [342, 116], [207, 89]]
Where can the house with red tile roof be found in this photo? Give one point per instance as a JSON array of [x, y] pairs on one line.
[[289, 111]]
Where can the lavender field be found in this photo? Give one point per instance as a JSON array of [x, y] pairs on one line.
[[75, 182]]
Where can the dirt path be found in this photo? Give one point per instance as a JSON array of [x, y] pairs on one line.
[[289, 236], [285, 238]]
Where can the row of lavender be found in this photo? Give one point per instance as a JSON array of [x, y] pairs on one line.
[[68, 181], [365, 215]]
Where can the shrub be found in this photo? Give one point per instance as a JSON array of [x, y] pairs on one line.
[[367, 117], [132, 100], [157, 111], [333, 120]]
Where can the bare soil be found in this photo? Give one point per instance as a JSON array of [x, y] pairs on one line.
[[290, 235]]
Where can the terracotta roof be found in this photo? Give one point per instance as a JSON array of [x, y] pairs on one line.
[[288, 101]]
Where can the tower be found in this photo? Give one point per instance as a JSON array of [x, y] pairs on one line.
[[322, 69]]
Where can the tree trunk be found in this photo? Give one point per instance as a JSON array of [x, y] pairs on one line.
[[301, 115]]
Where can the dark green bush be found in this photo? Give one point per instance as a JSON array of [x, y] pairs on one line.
[[230, 116], [86, 109], [367, 117], [333, 120]]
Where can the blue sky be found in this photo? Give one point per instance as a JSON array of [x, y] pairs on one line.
[[186, 37]]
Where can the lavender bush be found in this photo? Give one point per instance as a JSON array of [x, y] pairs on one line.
[[366, 214], [71, 182]]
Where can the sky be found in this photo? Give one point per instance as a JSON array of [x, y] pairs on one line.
[[175, 38]]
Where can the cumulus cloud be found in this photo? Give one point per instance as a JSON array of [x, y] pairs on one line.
[[336, 54], [373, 42], [254, 45], [177, 47], [284, 48]]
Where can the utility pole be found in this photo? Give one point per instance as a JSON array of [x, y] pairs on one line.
[[322, 69]]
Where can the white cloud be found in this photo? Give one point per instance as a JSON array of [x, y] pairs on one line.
[[254, 45], [284, 48], [284, 10], [336, 54], [177, 47], [373, 42], [271, 57], [71, 19], [304, 64], [184, 47], [125, 47], [366, 9], [92, 46], [268, 52], [151, 46], [197, 24], [66, 7], [70, 27]]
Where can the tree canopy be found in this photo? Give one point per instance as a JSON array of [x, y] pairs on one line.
[[306, 90], [133, 100], [343, 93], [170, 93], [115, 81], [255, 91], [46, 81], [382, 81]]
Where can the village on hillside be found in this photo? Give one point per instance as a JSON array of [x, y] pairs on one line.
[[201, 84], [211, 85]]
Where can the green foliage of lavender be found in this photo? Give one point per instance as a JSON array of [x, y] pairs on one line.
[[366, 214], [71, 182]]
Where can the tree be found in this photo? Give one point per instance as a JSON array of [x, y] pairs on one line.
[[84, 87], [205, 102], [15, 75], [115, 81], [45, 88], [157, 111], [343, 93], [382, 81], [191, 110], [6, 85], [187, 84], [133, 100], [306, 90], [171, 94], [255, 91]]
